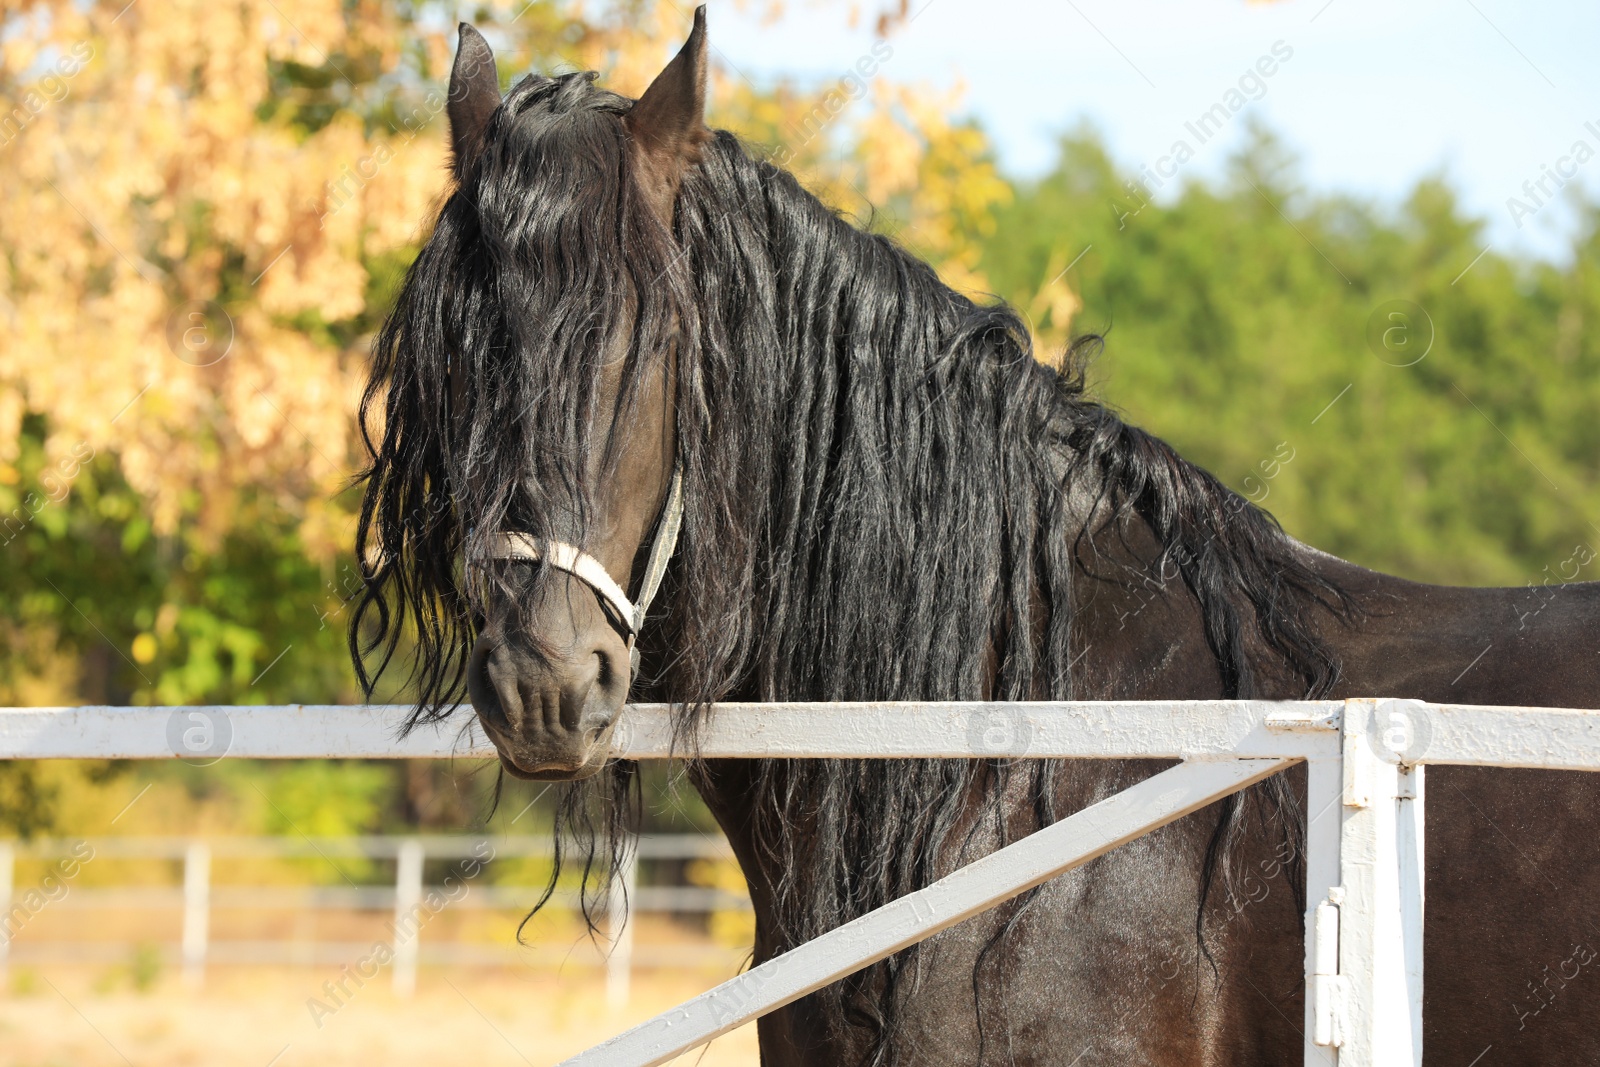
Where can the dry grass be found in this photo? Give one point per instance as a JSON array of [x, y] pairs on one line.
[[65, 1016]]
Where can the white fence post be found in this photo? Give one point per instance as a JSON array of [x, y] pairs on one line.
[[1380, 929], [619, 924], [1324, 1007], [1411, 845], [407, 927], [7, 875], [196, 910]]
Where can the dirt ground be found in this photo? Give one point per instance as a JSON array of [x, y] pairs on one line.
[[72, 1016]]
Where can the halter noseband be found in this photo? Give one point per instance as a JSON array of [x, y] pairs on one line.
[[592, 572]]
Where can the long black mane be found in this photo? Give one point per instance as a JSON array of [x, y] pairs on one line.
[[887, 494]]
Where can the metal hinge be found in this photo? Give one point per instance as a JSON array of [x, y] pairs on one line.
[[1328, 986]]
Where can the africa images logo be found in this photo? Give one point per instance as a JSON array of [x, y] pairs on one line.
[[1399, 731], [999, 732], [199, 736]]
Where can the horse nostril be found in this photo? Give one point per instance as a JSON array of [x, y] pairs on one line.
[[603, 677], [492, 685]]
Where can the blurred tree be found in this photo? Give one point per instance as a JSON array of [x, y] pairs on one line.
[[1238, 317], [205, 215]]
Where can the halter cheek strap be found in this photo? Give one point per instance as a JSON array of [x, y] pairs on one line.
[[593, 573]]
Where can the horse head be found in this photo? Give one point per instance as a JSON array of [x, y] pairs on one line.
[[530, 484]]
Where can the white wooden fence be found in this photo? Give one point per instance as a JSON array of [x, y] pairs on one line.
[[1364, 839], [198, 897]]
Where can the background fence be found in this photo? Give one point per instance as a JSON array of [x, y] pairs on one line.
[[196, 896]]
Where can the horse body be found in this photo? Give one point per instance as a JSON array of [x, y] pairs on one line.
[[888, 498], [1105, 967]]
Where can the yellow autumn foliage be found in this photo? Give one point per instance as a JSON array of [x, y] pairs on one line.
[[204, 207]]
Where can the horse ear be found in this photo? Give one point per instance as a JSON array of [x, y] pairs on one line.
[[474, 94], [668, 121]]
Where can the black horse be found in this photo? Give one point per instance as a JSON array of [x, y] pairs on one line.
[[886, 496]]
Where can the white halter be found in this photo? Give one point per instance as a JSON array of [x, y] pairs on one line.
[[593, 573]]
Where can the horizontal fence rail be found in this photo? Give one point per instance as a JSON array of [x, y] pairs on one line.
[[1547, 738], [662, 899], [275, 953], [1364, 839], [368, 846]]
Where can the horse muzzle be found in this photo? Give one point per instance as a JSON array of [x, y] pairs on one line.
[[549, 721]]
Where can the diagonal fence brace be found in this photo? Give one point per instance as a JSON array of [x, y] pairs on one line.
[[975, 888]]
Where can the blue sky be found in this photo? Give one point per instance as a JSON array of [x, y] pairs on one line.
[[1375, 95]]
